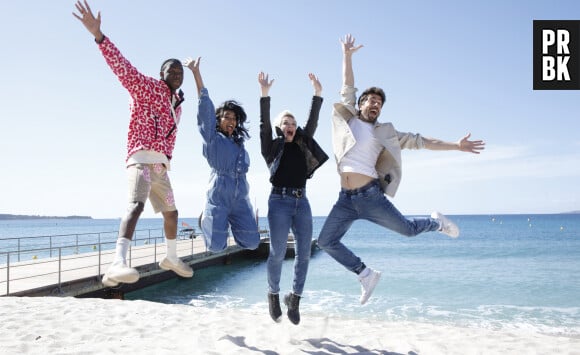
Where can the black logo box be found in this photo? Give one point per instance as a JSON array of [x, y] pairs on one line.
[[573, 64]]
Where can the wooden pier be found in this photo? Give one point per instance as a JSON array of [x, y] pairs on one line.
[[79, 275]]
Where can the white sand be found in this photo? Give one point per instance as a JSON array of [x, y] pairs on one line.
[[64, 325]]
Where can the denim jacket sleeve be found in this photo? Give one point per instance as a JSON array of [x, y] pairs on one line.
[[206, 120]]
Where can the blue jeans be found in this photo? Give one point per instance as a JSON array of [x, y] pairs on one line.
[[367, 202], [285, 213]]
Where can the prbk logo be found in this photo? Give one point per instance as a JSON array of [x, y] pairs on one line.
[[556, 55]]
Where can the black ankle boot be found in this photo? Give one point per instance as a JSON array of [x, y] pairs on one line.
[[292, 301], [274, 305]]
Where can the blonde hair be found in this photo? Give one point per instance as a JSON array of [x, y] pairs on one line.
[[280, 117]]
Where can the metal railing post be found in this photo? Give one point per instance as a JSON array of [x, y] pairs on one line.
[[59, 265], [99, 242], [18, 249], [8, 273], [50, 245], [155, 251]]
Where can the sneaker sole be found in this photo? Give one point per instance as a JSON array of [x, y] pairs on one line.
[[107, 282], [452, 232], [113, 282], [453, 235], [376, 279], [177, 271]]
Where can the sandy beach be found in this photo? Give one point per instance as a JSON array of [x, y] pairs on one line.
[[64, 325]]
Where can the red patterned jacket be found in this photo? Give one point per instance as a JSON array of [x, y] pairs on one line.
[[152, 126]]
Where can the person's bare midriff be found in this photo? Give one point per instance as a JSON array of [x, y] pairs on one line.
[[351, 181]]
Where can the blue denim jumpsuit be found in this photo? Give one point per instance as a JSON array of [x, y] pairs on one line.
[[228, 204]]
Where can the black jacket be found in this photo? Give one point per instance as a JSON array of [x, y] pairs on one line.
[[272, 148]]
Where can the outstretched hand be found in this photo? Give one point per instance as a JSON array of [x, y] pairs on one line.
[[92, 24], [465, 145], [315, 84], [265, 83], [348, 46], [193, 65]]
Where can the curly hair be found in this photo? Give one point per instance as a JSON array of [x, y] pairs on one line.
[[240, 132]]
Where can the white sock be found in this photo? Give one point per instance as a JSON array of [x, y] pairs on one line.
[[171, 249], [121, 250]]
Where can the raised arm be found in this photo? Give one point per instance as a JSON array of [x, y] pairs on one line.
[[206, 120], [312, 122], [463, 145], [265, 124], [193, 65], [348, 49], [92, 24], [138, 84], [315, 84], [265, 84]]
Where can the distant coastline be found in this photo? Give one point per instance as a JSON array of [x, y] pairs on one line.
[[25, 217], [20, 216]]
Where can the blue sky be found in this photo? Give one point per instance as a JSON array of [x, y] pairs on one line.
[[448, 68]]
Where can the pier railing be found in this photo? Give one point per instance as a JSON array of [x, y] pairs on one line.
[[30, 262]]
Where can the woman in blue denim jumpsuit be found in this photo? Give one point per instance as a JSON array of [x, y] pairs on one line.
[[228, 204], [292, 158]]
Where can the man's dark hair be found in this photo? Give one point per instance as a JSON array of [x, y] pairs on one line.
[[372, 90], [170, 62], [240, 132]]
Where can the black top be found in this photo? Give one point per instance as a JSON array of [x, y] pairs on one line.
[[292, 169]]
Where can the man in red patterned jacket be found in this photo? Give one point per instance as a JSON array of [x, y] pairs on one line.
[[155, 113]]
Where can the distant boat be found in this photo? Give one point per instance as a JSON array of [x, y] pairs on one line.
[[188, 232]]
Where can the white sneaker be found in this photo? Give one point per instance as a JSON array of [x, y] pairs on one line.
[[368, 283], [447, 227], [120, 273], [179, 267]]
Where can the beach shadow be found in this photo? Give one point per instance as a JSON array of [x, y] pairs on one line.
[[326, 346], [241, 342], [331, 347]]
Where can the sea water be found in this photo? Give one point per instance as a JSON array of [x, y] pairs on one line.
[[503, 272]]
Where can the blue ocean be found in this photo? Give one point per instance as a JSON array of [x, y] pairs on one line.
[[503, 272]]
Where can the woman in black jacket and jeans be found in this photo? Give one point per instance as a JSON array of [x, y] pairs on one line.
[[292, 157]]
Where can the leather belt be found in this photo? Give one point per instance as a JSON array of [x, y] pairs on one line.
[[294, 191]]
